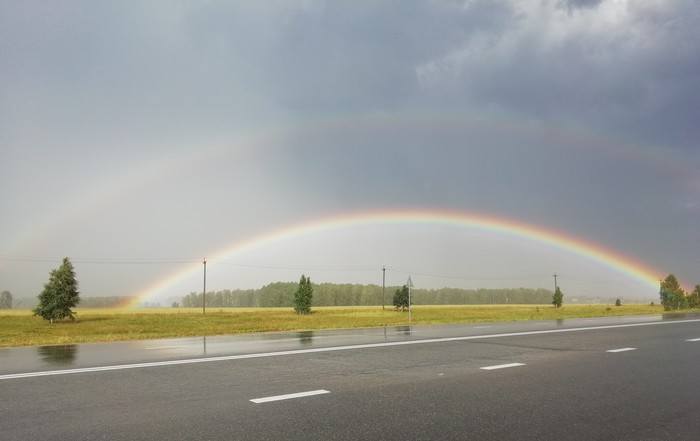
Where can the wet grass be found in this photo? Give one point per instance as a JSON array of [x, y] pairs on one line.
[[20, 328]]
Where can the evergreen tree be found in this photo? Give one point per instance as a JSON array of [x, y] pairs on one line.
[[400, 300], [5, 300], [60, 294], [557, 298], [672, 295], [303, 296]]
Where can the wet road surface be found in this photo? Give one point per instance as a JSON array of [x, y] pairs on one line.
[[42, 358], [632, 378]]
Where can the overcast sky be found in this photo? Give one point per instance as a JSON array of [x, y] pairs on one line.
[[136, 135]]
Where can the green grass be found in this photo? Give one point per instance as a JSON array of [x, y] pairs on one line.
[[20, 328]]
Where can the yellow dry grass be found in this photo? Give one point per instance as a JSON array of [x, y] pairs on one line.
[[20, 328]]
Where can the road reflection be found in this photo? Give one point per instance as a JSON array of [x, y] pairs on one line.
[[680, 315], [27, 359], [63, 355], [403, 330], [305, 337]]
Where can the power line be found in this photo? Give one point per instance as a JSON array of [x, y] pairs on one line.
[[596, 282], [296, 267], [262, 265], [464, 277], [97, 260], [374, 268]]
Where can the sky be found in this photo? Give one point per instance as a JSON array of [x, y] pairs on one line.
[[138, 138]]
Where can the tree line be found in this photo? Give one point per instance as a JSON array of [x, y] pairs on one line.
[[281, 294], [106, 302]]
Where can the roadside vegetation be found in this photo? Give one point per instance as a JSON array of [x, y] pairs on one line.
[[21, 328], [60, 295]]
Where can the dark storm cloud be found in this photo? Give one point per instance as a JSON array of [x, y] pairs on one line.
[[621, 67]]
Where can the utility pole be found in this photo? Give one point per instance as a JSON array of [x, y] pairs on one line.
[[555, 282], [204, 291], [409, 284], [383, 284]]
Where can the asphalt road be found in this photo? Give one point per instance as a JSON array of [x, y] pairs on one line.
[[546, 381]]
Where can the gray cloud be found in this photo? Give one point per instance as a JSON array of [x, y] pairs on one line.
[[617, 65], [234, 118]]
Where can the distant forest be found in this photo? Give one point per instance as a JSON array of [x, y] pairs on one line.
[[85, 302], [281, 294]]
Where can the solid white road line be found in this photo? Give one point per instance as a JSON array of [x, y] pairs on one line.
[[330, 349], [290, 396], [502, 366], [694, 339], [621, 350]]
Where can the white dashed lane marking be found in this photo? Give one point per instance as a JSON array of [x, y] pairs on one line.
[[502, 366], [290, 396], [621, 350]]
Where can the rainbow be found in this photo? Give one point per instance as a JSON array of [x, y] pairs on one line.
[[620, 263], [275, 136]]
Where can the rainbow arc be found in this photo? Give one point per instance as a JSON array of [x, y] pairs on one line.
[[617, 262]]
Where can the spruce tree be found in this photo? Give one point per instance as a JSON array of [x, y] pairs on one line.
[[60, 294], [303, 296], [557, 298], [5, 300], [400, 300]]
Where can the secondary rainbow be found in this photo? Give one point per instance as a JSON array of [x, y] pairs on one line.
[[589, 250], [265, 138]]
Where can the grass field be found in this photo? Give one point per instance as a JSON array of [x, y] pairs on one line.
[[20, 328]]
